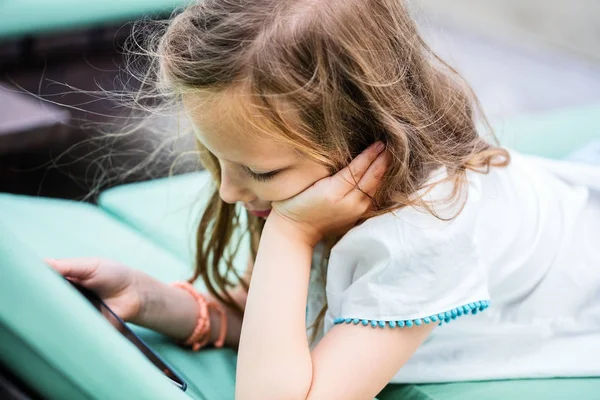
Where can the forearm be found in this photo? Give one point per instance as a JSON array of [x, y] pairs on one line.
[[274, 358], [174, 313]]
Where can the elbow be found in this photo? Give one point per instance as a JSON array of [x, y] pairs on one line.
[[278, 385]]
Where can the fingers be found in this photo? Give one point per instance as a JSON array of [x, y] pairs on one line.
[[75, 268], [371, 180], [354, 172]]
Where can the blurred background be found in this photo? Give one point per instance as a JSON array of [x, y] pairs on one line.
[[520, 56]]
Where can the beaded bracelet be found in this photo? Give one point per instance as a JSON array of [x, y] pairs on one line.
[[200, 336]]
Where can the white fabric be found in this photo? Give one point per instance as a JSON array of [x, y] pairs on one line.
[[528, 240]]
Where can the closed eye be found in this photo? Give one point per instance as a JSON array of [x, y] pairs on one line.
[[262, 177]]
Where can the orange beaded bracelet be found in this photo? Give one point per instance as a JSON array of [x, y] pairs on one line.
[[200, 336]]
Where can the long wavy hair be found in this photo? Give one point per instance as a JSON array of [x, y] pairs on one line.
[[352, 71]]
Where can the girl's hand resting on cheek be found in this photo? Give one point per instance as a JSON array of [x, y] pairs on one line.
[[116, 284], [335, 203]]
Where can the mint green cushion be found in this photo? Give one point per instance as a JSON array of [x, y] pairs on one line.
[[526, 389], [60, 345], [166, 210], [55, 228], [26, 17], [552, 134]]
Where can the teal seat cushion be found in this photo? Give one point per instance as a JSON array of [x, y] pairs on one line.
[[552, 134], [167, 211], [59, 344], [53, 339], [55, 228], [526, 389], [27, 17]]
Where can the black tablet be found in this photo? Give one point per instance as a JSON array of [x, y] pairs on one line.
[[120, 325]]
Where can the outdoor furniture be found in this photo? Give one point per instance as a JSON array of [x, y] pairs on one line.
[[59, 345]]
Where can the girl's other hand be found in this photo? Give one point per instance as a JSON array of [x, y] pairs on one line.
[[335, 203], [116, 284]]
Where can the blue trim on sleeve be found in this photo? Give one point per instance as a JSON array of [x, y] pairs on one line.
[[445, 317]]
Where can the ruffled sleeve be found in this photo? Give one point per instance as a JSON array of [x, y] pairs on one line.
[[407, 268]]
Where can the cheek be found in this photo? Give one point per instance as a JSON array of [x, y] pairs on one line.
[[290, 184]]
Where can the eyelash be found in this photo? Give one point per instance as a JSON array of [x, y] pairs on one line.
[[261, 177]]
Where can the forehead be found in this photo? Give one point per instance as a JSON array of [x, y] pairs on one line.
[[232, 132]]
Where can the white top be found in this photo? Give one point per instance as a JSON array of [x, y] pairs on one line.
[[526, 244]]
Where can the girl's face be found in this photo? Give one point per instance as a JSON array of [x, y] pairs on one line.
[[254, 171]]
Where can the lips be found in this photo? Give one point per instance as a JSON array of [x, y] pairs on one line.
[[260, 213]]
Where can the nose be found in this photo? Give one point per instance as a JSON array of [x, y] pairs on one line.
[[232, 190]]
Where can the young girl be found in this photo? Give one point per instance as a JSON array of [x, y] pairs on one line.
[[338, 129]]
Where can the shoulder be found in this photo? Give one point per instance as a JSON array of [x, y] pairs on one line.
[[414, 230], [409, 264], [409, 248]]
